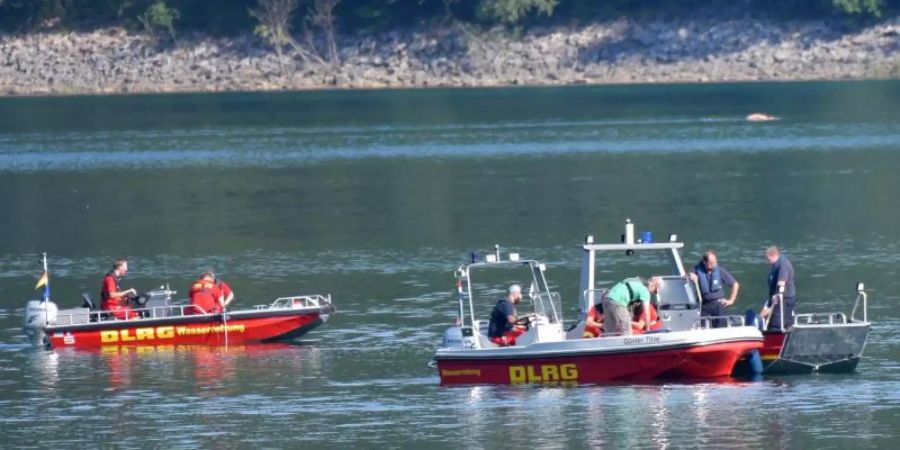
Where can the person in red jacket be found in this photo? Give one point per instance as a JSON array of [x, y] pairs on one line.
[[227, 293], [210, 294], [112, 297], [638, 324], [205, 294], [593, 323]]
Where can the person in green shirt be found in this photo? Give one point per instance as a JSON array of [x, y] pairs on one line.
[[616, 316]]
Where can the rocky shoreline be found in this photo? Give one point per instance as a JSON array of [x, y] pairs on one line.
[[621, 51]]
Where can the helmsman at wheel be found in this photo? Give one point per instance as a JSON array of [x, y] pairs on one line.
[[503, 328], [112, 297]]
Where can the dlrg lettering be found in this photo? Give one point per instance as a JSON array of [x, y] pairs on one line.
[[544, 373]]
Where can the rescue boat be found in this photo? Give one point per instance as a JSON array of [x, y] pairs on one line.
[[160, 322], [817, 342], [687, 347]]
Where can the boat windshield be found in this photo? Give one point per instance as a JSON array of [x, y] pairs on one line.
[[677, 292], [488, 284]]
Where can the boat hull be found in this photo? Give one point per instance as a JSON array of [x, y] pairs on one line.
[[710, 361], [807, 349], [606, 364], [240, 327]]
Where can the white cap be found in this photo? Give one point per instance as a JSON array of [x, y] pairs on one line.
[[514, 288]]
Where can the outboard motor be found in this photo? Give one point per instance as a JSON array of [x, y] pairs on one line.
[[37, 315], [459, 338], [453, 338]]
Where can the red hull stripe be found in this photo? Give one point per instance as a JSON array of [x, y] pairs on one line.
[[600, 351], [708, 361], [205, 331]]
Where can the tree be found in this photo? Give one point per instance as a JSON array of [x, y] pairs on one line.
[[274, 18], [321, 16]]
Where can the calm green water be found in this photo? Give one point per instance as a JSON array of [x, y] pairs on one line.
[[375, 197]]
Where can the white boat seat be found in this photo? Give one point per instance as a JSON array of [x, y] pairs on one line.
[[485, 341]]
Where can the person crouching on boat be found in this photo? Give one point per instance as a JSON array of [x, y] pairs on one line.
[[502, 329], [711, 279], [209, 295], [616, 316], [112, 297], [593, 322], [639, 322]]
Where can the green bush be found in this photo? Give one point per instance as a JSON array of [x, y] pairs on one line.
[[512, 11], [863, 7], [158, 16]]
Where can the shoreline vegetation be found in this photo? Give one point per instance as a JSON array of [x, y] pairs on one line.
[[709, 46]]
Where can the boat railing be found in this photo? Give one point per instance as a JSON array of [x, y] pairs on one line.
[[733, 320], [838, 318], [833, 318], [779, 297], [298, 301], [80, 316], [860, 295]]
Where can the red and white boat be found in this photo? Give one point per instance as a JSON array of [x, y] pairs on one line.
[[162, 323], [686, 348]]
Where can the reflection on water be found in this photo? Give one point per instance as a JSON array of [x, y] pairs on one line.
[[643, 416], [199, 370]]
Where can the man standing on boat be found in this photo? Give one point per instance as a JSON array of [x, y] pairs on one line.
[[781, 288], [712, 279], [616, 315], [112, 297], [502, 329]]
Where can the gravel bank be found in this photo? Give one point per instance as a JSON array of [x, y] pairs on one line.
[[621, 51]]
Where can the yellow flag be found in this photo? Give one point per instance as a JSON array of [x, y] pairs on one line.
[[42, 280]]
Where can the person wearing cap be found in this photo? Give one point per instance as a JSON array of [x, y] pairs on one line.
[[502, 329], [781, 288], [711, 279], [209, 295], [616, 315]]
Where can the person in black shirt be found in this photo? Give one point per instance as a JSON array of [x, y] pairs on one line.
[[781, 281], [502, 329], [712, 279]]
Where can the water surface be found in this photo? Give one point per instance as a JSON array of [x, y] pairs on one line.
[[375, 197]]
